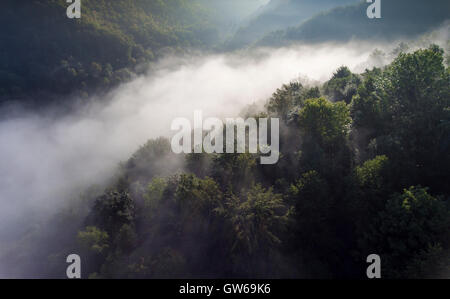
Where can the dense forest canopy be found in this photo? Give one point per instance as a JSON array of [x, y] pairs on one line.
[[364, 155], [360, 172], [42, 50]]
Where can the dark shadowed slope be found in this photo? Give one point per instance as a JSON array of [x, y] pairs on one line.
[[278, 15], [41, 50], [400, 18]]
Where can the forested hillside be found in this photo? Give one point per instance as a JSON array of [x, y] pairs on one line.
[[42, 51], [279, 15], [364, 156], [231, 14], [44, 56], [400, 19], [363, 169]]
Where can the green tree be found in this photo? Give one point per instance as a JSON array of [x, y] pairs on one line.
[[93, 240], [342, 86], [410, 223], [284, 99], [112, 210], [324, 121], [256, 221], [402, 111]]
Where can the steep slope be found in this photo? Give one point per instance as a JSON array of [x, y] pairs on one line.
[[280, 14], [43, 50], [230, 14], [400, 18]]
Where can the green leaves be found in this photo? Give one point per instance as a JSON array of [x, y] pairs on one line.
[[409, 224], [332, 200], [93, 240], [342, 86], [400, 112], [284, 99], [324, 121], [119, 34], [257, 219], [371, 173], [112, 210]]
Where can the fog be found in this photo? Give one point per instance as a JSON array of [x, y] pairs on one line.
[[46, 160]]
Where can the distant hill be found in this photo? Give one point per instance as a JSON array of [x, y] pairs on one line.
[[278, 15], [400, 18], [42, 50], [230, 14]]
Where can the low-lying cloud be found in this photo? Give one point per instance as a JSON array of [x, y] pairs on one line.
[[45, 160]]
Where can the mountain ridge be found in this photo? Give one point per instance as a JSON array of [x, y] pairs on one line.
[[400, 19]]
